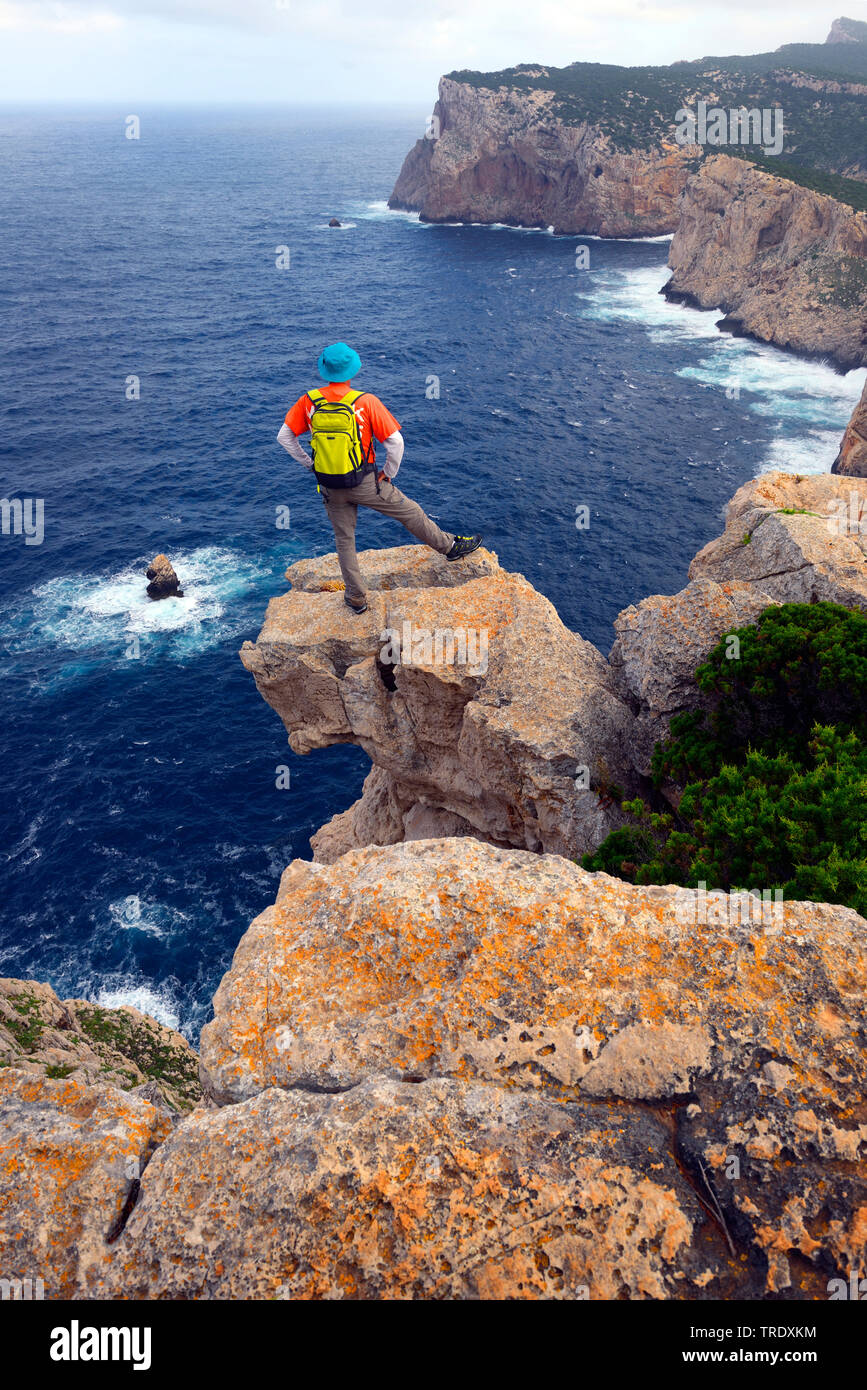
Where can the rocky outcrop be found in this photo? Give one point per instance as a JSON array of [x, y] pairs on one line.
[[787, 265], [847, 31], [164, 583], [43, 1035], [661, 641], [442, 1068], [852, 458], [446, 1190], [71, 1158], [489, 740], [448, 1070], [787, 539], [506, 156], [498, 754], [795, 539]]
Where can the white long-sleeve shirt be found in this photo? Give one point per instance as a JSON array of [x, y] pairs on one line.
[[393, 450]]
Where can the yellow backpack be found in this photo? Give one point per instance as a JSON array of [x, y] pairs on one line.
[[338, 458]]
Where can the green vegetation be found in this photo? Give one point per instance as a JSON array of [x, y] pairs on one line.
[[635, 107], [841, 280], [111, 1031], [773, 767], [28, 1031], [130, 1050]]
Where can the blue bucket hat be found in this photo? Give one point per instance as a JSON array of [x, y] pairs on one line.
[[338, 362]]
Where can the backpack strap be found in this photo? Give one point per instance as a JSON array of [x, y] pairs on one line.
[[351, 398]]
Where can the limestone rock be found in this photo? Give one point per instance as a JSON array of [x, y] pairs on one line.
[[852, 458], [795, 539], [847, 31], [453, 957], [649, 1063], [71, 1158], [516, 975], [489, 744], [385, 814], [787, 265], [506, 156], [335, 222], [662, 640], [404, 567], [164, 582], [43, 1035], [444, 1190]]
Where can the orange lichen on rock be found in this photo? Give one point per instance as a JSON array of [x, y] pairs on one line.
[[69, 1153]]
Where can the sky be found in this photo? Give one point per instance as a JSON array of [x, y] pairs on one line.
[[371, 51]]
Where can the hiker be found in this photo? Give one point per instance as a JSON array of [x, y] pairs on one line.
[[344, 424]]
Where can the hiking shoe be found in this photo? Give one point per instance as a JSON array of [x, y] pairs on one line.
[[356, 607], [463, 545]]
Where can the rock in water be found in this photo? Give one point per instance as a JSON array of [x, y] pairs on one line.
[[164, 582], [335, 222]]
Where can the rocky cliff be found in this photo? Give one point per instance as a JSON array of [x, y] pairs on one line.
[[505, 156], [490, 747], [443, 1069], [448, 1062], [852, 458], [779, 244], [526, 751], [786, 264]]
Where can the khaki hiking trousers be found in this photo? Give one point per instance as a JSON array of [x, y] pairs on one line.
[[342, 505]]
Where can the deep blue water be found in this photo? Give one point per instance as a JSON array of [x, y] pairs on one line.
[[141, 825]]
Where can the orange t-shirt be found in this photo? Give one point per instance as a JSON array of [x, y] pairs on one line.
[[375, 422]]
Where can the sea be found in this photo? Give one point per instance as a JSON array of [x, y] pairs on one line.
[[164, 300]]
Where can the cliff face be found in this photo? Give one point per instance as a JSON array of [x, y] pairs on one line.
[[847, 31], [497, 753], [444, 1066], [588, 153], [489, 747], [852, 458], [504, 156], [788, 266]]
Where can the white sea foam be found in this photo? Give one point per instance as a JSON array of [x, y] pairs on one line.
[[809, 402], [156, 1002], [93, 613], [152, 918], [372, 212], [591, 236], [813, 452]]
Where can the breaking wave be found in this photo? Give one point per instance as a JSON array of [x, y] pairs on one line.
[[809, 403]]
